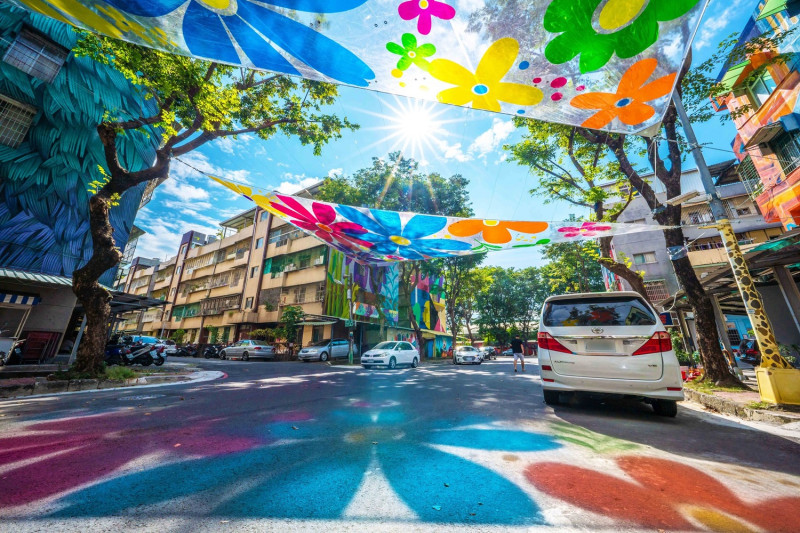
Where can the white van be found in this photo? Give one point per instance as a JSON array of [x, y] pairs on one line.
[[608, 342]]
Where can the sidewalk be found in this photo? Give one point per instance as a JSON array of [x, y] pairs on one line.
[[743, 404]]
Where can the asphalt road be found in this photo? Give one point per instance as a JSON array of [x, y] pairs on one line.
[[293, 446]]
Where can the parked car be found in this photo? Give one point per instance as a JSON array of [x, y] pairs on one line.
[[467, 355], [170, 348], [326, 349], [391, 354], [488, 353], [508, 353], [248, 349], [608, 343]]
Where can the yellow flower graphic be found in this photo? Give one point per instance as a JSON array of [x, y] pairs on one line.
[[484, 88]]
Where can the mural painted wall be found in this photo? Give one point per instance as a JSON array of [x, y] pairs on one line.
[[428, 302], [375, 290], [44, 224]]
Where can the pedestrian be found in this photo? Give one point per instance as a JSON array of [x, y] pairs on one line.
[[516, 349]]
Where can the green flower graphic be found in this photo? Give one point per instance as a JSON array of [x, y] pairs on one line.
[[411, 53], [597, 29]]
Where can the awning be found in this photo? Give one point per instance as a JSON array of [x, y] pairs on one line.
[[317, 323], [122, 302], [34, 277], [765, 134], [18, 299], [734, 75], [771, 7]]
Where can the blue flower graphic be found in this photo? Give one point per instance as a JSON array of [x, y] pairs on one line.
[[283, 480], [386, 231], [258, 30]]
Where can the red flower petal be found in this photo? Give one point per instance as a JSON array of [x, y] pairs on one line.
[[324, 213]]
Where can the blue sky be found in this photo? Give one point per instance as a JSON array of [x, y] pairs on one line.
[[464, 142]]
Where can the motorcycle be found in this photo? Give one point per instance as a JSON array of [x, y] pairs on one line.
[[12, 355], [212, 350], [135, 354], [187, 351]]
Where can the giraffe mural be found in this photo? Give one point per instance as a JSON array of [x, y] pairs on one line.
[[770, 355]]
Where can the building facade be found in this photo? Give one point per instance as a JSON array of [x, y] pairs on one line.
[[242, 280], [647, 251], [762, 97], [50, 104]]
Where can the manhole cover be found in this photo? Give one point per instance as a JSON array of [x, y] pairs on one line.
[[140, 397]]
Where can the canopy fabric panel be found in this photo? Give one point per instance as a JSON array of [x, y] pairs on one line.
[[771, 7], [601, 64], [379, 237]]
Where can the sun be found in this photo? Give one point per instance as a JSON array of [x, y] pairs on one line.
[[414, 127]]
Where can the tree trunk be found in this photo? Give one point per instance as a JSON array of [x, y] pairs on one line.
[[620, 269], [92, 296], [714, 363]]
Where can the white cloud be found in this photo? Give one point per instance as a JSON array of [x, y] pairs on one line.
[[283, 165], [713, 24], [335, 172], [451, 151], [291, 187], [492, 138], [183, 191], [502, 159], [226, 144]]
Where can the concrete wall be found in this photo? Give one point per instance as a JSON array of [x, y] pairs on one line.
[[775, 305]]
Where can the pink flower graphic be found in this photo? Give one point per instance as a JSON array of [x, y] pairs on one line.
[[587, 229], [425, 9], [321, 222]]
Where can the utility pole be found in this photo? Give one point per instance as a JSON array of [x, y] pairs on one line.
[[774, 373]]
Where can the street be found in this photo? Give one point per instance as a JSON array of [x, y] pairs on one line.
[[293, 446]]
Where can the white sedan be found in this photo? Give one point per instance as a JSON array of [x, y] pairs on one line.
[[391, 354], [467, 355]]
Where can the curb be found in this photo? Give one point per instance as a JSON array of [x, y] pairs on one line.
[[723, 405], [43, 387]]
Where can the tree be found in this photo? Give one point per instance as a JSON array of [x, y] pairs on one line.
[[396, 184], [178, 335], [511, 303], [290, 320], [572, 267], [192, 102], [570, 168], [213, 331], [456, 272], [475, 283]]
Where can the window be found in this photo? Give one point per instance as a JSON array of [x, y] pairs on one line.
[[259, 242], [316, 333], [305, 261], [264, 216], [598, 311], [699, 217], [15, 120], [644, 258], [656, 290], [743, 211], [733, 337], [36, 55], [178, 270], [320, 293], [253, 271], [759, 89], [248, 303], [787, 150], [183, 250], [300, 295]]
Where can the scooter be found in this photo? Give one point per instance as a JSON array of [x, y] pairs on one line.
[[187, 351], [12, 355], [212, 350]]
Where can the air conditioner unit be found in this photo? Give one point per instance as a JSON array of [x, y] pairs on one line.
[[289, 268], [319, 260]]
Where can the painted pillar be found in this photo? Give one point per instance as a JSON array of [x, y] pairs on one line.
[[722, 329], [689, 339], [770, 355], [790, 292]]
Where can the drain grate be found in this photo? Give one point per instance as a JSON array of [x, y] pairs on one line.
[[141, 397]]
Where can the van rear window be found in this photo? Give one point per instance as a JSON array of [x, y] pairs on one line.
[[598, 311]]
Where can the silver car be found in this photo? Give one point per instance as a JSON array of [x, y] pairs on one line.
[[248, 349], [326, 349]]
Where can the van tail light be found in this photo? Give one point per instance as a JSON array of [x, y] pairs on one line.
[[547, 342], [659, 342], [547, 367]]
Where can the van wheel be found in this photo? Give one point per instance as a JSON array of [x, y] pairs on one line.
[[665, 408], [551, 397]]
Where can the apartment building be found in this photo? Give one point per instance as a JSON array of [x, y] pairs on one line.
[[762, 98], [647, 251], [242, 280]]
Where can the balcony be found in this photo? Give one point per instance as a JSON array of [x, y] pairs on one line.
[[217, 306], [714, 256]]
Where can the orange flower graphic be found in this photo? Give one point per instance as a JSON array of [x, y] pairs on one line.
[[494, 231], [628, 103]]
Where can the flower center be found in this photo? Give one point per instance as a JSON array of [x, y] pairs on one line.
[[616, 14], [491, 222], [480, 89], [400, 241], [412, 54], [623, 102], [222, 7], [325, 228], [423, 4]]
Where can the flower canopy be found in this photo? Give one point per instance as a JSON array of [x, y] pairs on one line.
[[604, 64], [379, 236]]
